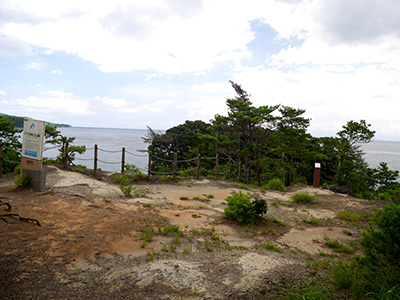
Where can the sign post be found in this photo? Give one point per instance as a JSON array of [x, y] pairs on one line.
[[32, 153], [317, 174]]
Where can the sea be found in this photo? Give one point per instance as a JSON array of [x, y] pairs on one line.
[[111, 141]]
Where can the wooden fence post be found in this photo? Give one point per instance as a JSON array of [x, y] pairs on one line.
[[216, 165], [1, 158], [198, 165], [95, 160], [149, 170], [66, 155], [123, 161]]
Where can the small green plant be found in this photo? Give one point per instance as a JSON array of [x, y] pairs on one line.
[[352, 217], [312, 221], [275, 184], [172, 230], [146, 235], [22, 180], [187, 250], [259, 205], [343, 274], [279, 222], [240, 208], [184, 198], [302, 198], [141, 191], [134, 171], [147, 205], [338, 246], [125, 185], [272, 247]]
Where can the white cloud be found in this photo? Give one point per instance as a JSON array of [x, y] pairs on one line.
[[10, 46], [54, 102], [34, 66], [58, 72], [3, 93]]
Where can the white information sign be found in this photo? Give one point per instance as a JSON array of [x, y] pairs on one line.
[[318, 165], [33, 139]]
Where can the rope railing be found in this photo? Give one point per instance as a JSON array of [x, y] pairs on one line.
[[174, 162]]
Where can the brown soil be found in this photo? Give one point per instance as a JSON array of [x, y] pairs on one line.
[[90, 244]]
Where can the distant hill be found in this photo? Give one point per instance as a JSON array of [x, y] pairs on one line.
[[19, 121]]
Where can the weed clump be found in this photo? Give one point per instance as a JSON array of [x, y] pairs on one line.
[[302, 198]]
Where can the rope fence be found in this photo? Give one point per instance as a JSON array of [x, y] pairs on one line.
[[175, 162]]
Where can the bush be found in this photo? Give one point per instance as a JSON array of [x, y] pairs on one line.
[[22, 180], [131, 169], [382, 245], [125, 185], [240, 208], [259, 205], [275, 184], [302, 198]]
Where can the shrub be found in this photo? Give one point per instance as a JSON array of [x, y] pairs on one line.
[[275, 184], [302, 198], [240, 208], [133, 170], [22, 180], [125, 185], [382, 245], [259, 205]]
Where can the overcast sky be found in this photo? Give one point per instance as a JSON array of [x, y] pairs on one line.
[[157, 63]]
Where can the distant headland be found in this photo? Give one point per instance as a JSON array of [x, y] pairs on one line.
[[19, 121]]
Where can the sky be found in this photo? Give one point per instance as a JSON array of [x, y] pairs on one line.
[[157, 63]]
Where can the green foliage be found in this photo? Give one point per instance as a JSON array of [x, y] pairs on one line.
[[352, 217], [131, 169], [125, 185], [240, 208], [146, 235], [302, 198], [280, 223], [53, 136], [11, 146], [343, 273], [275, 184], [382, 244], [307, 290], [22, 180], [272, 247], [259, 205]]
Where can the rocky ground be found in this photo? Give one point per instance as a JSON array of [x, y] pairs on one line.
[[95, 243]]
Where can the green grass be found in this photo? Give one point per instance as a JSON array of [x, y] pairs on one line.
[[302, 198], [352, 217], [312, 221], [272, 247], [279, 222], [338, 246]]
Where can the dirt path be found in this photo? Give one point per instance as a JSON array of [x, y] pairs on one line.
[[91, 242]]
